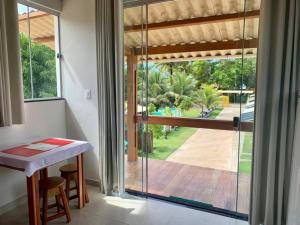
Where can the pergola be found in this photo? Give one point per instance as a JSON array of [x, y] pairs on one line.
[[183, 30], [41, 27]]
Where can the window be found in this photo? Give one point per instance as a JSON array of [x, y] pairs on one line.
[[39, 42]]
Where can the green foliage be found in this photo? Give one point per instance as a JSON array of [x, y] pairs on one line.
[[246, 154], [201, 71], [183, 84], [208, 96], [186, 103], [186, 84], [157, 130], [230, 75], [215, 113], [168, 111], [157, 83], [193, 112], [43, 69], [151, 108]]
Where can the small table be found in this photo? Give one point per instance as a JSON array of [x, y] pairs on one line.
[[31, 162]]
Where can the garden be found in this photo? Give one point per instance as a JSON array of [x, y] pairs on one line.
[[187, 89]]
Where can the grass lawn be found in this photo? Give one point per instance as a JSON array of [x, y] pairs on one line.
[[192, 113], [246, 154], [165, 147], [215, 113], [195, 113]]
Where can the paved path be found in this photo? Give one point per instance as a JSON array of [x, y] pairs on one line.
[[216, 149]]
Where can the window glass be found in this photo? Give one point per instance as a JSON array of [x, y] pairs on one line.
[[39, 47]]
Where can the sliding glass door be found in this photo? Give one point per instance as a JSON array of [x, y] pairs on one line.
[[190, 95]]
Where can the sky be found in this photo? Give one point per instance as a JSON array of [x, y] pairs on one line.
[[23, 9]]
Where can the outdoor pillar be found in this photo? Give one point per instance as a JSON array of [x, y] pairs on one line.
[[132, 149]]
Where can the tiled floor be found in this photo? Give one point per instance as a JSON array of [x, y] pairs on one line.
[[126, 211]]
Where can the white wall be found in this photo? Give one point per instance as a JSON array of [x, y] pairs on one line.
[[42, 119], [79, 73], [78, 117]]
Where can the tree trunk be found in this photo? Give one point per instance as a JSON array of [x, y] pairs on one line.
[[147, 143]]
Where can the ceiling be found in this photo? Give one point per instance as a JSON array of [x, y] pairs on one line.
[[182, 29]]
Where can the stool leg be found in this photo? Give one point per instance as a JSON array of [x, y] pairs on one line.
[[86, 195], [45, 207], [57, 199], [68, 180], [76, 185], [65, 203]]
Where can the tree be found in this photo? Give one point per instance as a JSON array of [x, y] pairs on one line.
[[231, 74], [157, 83], [208, 96], [173, 83], [43, 69], [183, 87], [201, 71], [186, 103], [158, 86]]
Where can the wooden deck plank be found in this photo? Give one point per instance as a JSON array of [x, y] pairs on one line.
[[211, 186]]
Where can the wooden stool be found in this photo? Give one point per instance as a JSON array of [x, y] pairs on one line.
[[54, 186], [69, 172]]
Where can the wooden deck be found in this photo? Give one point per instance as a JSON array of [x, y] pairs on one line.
[[210, 186]]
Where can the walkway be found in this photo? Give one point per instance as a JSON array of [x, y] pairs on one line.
[[215, 149]]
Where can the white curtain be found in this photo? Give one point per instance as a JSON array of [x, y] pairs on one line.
[[276, 103], [11, 88], [293, 217], [109, 38]]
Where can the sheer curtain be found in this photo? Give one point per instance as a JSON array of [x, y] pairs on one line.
[[11, 89], [109, 38], [276, 102]]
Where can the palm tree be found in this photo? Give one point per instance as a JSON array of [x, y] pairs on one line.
[[157, 83], [183, 85], [183, 88], [208, 96], [158, 87]]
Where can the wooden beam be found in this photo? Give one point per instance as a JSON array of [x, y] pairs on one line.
[[209, 46], [196, 123], [43, 39], [132, 148], [196, 21], [33, 15], [127, 51]]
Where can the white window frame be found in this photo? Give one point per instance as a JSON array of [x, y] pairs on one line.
[[58, 54]]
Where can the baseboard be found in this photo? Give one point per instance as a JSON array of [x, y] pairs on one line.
[[14, 204], [92, 182]]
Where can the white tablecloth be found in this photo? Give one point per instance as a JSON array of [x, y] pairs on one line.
[[34, 163]]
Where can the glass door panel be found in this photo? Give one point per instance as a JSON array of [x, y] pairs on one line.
[[135, 98], [195, 84], [248, 82]]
